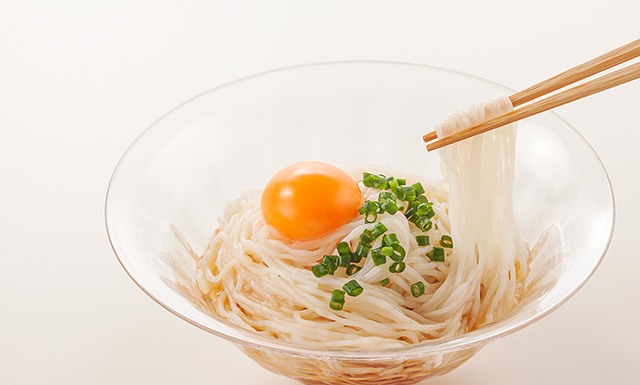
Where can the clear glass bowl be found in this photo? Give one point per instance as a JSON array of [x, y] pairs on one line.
[[183, 169]]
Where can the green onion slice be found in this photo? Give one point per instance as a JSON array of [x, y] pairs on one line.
[[366, 236], [370, 210], [446, 241], [398, 252], [330, 262], [409, 193], [411, 211], [367, 179], [361, 252], [430, 214], [417, 289], [385, 282], [390, 239], [400, 193], [343, 248], [436, 254], [418, 188], [378, 230], [386, 195], [423, 240], [337, 300], [389, 206], [424, 224], [371, 217], [366, 207], [344, 260], [397, 267], [423, 208], [319, 270], [386, 250], [353, 288], [337, 296], [378, 257]]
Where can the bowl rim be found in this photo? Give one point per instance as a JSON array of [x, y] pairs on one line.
[[476, 338]]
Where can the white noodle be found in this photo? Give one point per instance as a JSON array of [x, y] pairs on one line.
[[261, 281]]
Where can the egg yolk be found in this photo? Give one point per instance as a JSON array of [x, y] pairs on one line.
[[307, 200]]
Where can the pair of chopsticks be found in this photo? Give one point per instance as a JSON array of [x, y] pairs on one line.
[[575, 74]]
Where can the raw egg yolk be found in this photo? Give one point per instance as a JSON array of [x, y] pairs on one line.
[[307, 200]]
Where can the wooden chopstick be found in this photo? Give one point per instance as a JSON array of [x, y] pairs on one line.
[[580, 72], [577, 73], [591, 87]]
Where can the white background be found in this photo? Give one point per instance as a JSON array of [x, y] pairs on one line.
[[79, 80]]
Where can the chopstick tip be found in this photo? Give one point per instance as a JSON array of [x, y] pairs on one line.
[[430, 136]]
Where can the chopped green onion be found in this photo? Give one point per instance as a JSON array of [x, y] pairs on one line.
[[409, 193], [366, 236], [386, 195], [337, 295], [423, 240], [367, 206], [367, 179], [430, 254], [330, 262], [386, 250], [436, 254], [383, 182], [353, 288], [378, 257], [389, 206], [378, 230], [418, 188], [399, 191], [402, 182], [361, 252], [344, 260], [398, 252], [397, 267], [390, 239], [352, 269], [337, 300], [430, 214], [422, 199], [446, 241], [417, 289], [370, 210], [343, 248], [385, 282], [319, 270], [424, 224], [423, 208], [393, 186], [411, 211], [375, 181]]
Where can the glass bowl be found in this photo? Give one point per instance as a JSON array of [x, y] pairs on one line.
[[181, 172]]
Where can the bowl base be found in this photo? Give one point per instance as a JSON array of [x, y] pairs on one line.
[[344, 371]]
